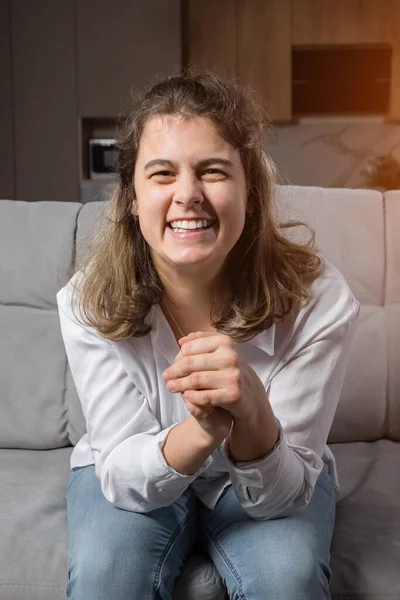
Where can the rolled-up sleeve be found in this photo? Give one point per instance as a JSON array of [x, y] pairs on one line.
[[125, 437], [304, 394]]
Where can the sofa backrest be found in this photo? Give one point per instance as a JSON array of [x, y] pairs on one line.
[[356, 231], [36, 246], [392, 311]]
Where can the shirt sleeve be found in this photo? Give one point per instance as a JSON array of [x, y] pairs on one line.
[[304, 394], [125, 437]]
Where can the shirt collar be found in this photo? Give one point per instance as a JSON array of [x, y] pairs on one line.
[[265, 340], [162, 336]]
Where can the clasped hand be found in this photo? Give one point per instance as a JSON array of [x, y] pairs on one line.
[[209, 372]]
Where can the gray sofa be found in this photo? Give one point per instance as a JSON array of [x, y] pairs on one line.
[[40, 418]]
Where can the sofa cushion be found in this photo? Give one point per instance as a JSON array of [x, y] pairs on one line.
[[365, 547], [33, 541], [87, 223], [393, 411], [392, 212], [36, 252], [199, 580], [362, 408], [353, 244], [366, 542], [32, 374], [356, 246]]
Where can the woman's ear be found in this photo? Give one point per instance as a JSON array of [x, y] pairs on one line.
[[134, 205], [134, 210]]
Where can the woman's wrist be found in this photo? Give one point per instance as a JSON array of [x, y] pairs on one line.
[[188, 446], [207, 438], [251, 438]]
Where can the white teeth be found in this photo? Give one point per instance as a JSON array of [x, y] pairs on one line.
[[187, 225]]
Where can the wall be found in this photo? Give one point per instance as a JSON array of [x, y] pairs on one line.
[[331, 152], [64, 60], [7, 162], [327, 152]]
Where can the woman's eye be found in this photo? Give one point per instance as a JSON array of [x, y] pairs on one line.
[[216, 172], [163, 174]]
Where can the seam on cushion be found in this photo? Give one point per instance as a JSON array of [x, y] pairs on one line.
[[22, 305], [42, 585], [386, 421], [73, 264], [355, 595], [64, 399], [65, 403]]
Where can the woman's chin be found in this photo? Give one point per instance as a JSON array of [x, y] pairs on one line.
[[195, 259]]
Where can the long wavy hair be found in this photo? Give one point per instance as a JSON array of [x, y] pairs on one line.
[[262, 275]]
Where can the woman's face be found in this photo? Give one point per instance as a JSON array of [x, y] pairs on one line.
[[186, 172]]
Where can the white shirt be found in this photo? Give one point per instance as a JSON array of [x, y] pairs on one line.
[[129, 411]]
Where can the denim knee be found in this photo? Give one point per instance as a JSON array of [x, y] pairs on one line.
[[107, 572], [118, 554], [303, 577], [297, 576], [279, 559]]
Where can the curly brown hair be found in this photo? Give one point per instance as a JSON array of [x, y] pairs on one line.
[[262, 275]]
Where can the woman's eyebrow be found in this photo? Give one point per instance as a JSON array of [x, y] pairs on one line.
[[215, 160], [160, 162], [163, 162]]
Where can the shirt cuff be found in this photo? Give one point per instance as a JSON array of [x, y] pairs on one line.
[[255, 472], [156, 468]]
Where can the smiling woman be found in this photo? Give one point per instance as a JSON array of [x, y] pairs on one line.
[[193, 384], [193, 149], [194, 189]]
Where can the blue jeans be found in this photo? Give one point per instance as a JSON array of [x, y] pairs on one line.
[[114, 554]]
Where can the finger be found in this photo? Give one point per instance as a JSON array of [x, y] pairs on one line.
[[197, 412], [190, 337], [205, 380], [200, 362], [208, 342], [195, 334], [226, 398], [197, 380]]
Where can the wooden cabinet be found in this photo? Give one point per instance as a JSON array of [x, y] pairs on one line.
[[248, 38], [254, 40], [264, 53], [121, 45], [319, 22], [210, 35]]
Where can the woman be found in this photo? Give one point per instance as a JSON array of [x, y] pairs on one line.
[[208, 352]]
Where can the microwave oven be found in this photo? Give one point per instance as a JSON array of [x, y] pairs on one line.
[[102, 158]]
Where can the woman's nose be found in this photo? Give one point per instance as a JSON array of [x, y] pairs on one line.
[[188, 191]]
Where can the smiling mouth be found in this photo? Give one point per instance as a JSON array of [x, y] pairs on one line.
[[191, 230]]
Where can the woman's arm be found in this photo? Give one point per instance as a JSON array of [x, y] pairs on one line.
[[304, 394], [125, 437], [187, 446]]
